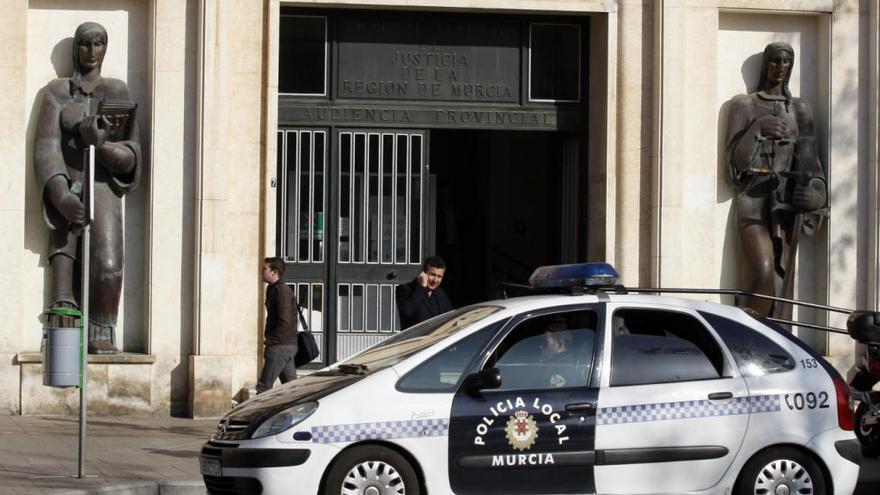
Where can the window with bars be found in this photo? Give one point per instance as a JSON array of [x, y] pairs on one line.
[[303, 158], [380, 197], [367, 308]]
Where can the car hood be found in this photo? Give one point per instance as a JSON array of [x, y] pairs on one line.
[[240, 423]]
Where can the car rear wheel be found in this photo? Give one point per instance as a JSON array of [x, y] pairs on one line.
[[868, 434], [781, 471], [371, 470]]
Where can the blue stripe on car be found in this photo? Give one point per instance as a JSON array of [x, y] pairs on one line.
[[669, 411], [383, 430]]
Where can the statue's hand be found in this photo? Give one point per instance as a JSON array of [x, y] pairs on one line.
[[90, 132], [806, 198], [772, 127], [71, 208]]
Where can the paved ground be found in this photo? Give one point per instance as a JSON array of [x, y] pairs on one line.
[[869, 478], [142, 456], [39, 454]]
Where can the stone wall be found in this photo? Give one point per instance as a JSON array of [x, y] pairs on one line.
[[204, 73]]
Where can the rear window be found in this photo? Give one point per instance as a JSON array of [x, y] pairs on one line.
[[657, 346], [755, 354]]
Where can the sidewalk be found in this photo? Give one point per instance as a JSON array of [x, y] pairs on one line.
[[127, 455]]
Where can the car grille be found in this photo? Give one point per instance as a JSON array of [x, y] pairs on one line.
[[231, 429], [229, 485]]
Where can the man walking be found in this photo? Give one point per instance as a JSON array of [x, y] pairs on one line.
[[423, 299], [280, 332]]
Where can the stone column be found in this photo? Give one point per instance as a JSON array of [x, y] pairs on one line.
[[686, 172], [635, 127], [170, 190], [15, 182], [228, 168], [874, 159], [848, 173]]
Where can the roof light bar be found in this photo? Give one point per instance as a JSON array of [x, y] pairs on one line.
[[589, 275]]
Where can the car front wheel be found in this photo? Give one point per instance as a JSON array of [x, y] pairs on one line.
[[371, 470], [781, 471]]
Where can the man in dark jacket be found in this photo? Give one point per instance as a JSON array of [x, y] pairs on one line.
[[280, 334], [423, 299]]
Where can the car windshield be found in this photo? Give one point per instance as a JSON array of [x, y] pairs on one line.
[[414, 339]]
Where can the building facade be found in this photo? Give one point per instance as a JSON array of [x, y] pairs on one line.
[[355, 138]]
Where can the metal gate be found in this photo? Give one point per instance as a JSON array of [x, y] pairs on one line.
[[351, 226]]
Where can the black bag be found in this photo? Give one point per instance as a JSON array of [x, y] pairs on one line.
[[307, 347]]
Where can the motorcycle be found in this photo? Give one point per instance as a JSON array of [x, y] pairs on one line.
[[864, 327]]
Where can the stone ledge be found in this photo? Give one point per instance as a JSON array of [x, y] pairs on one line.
[[121, 358], [119, 384]]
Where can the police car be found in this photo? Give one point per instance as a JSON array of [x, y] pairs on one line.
[[598, 392]]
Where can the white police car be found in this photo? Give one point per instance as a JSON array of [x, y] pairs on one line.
[[604, 393]]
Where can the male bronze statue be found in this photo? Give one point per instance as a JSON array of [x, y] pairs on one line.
[[782, 190], [70, 119]]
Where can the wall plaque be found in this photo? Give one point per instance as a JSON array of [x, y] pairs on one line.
[[437, 59]]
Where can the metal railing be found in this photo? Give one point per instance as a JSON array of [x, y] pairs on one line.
[[738, 294]]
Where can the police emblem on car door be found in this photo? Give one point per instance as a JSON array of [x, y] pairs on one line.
[[533, 433]]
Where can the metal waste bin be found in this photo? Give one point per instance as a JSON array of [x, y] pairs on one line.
[[62, 353]]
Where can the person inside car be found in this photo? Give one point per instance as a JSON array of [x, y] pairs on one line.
[[557, 356]]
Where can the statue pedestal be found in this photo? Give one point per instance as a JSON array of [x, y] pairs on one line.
[[119, 384]]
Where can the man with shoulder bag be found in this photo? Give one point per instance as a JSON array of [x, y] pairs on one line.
[[280, 335]]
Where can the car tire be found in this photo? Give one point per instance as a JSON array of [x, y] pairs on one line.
[[371, 470], [774, 467], [869, 436]]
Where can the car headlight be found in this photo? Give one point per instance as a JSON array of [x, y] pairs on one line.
[[285, 420]]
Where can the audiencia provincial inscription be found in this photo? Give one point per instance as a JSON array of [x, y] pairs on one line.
[[432, 117]]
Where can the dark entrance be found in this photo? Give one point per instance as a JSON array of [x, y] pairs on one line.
[[507, 202]]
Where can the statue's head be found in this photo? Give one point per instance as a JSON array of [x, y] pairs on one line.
[[89, 47], [776, 67]]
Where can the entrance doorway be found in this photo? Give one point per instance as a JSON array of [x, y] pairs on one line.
[[506, 203], [359, 209]]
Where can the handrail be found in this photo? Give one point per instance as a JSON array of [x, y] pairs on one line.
[[736, 292], [742, 293], [724, 292]]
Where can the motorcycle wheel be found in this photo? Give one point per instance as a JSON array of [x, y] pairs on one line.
[[868, 435]]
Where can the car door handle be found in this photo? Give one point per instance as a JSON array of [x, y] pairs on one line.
[[721, 396], [579, 407]]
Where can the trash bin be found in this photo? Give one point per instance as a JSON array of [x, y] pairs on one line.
[[62, 353]]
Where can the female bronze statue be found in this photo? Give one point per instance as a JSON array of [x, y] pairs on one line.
[[771, 150], [69, 121]]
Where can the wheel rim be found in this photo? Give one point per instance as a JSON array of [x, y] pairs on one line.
[[783, 477], [373, 478], [864, 428]]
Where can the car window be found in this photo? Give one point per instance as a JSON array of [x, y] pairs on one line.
[[657, 346], [755, 354], [443, 371], [418, 337], [547, 351]]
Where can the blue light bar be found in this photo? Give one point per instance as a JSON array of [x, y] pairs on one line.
[[589, 275]]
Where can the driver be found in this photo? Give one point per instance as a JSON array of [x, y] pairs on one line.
[[557, 357]]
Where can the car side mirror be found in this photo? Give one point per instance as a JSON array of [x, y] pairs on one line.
[[486, 379]]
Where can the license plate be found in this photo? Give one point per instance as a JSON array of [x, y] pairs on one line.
[[211, 467]]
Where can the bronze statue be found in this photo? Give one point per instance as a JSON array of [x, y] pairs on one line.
[[773, 159], [87, 109]]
